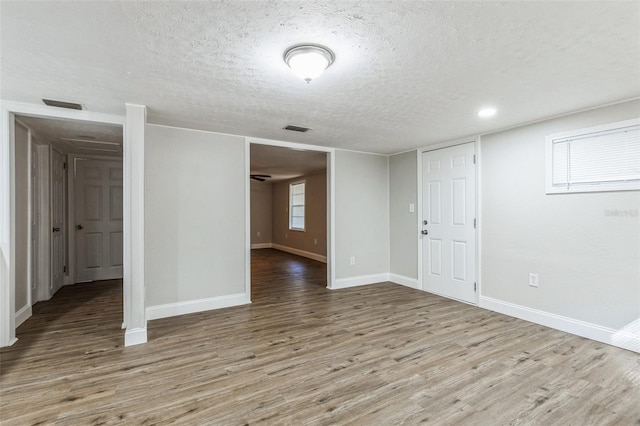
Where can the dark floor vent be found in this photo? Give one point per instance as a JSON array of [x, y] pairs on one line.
[[62, 104], [297, 128]]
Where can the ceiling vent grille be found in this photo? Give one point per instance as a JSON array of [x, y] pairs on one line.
[[297, 128], [62, 104]]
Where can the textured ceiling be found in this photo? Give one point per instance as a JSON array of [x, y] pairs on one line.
[[407, 73], [87, 135], [285, 163]]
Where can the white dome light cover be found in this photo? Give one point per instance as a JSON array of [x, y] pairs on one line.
[[487, 112], [308, 61]]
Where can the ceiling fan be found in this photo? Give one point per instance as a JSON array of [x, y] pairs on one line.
[[260, 178]]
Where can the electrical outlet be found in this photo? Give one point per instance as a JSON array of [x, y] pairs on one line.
[[258, 233], [412, 208], [286, 235], [315, 241], [533, 279], [352, 261]]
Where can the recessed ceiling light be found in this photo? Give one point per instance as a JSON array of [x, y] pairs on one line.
[[308, 61], [487, 112]]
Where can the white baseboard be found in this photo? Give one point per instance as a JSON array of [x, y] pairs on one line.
[[361, 280], [628, 338], [198, 305], [374, 279], [261, 246], [135, 336], [302, 253], [405, 281], [23, 314]]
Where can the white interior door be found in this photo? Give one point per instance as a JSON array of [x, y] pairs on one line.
[[448, 222], [99, 214], [57, 221]]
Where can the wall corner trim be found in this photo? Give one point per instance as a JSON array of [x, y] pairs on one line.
[[198, 305], [135, 336], [23, 314], [629, 340], [405, 281]]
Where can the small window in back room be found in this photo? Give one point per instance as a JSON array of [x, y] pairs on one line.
[[603, 158], [296, 206]]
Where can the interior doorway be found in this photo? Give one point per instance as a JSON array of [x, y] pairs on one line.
[[75, 170], [290, 193]]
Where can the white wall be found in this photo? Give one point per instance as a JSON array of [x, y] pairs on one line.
[[403, 224], [261, 216], [194, 217], [21, 215], [314, 238], [362, 214], [588, 262]]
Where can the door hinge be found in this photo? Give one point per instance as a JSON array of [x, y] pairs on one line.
[[64, 165], [475, 286], [475, 223], [474, 159], [64, 269]]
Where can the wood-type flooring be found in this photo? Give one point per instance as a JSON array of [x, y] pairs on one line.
[[301, 354]]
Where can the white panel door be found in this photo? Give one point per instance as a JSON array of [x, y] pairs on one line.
[[448, 228], [57, 221], [99, 198]]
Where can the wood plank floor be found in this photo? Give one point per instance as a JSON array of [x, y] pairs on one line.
[[302, 354]]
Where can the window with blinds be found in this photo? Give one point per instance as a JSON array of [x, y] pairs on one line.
[[296, 206], [603, 158]]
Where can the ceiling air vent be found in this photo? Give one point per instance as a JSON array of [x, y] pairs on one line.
[[297, 128], [61, 104]]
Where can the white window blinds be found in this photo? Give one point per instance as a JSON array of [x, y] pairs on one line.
[[296, 206], [604, 158]]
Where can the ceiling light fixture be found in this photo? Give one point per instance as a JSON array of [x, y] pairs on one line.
[[308, 61], [487, 112]]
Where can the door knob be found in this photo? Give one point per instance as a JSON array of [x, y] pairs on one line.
[[55, 229], [79, 227], [425, 232]]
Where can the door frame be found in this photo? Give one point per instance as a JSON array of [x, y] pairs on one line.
[[133, 124], [420, 152], [331, 205], [65, 232]]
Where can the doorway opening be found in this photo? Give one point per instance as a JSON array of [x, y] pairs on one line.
[[68, 184], [290, 220]]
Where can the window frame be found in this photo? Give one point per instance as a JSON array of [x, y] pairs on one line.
[[304, 206], [596, 186]]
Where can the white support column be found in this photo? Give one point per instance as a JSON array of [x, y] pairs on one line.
[[134, 306], [7, 228]]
